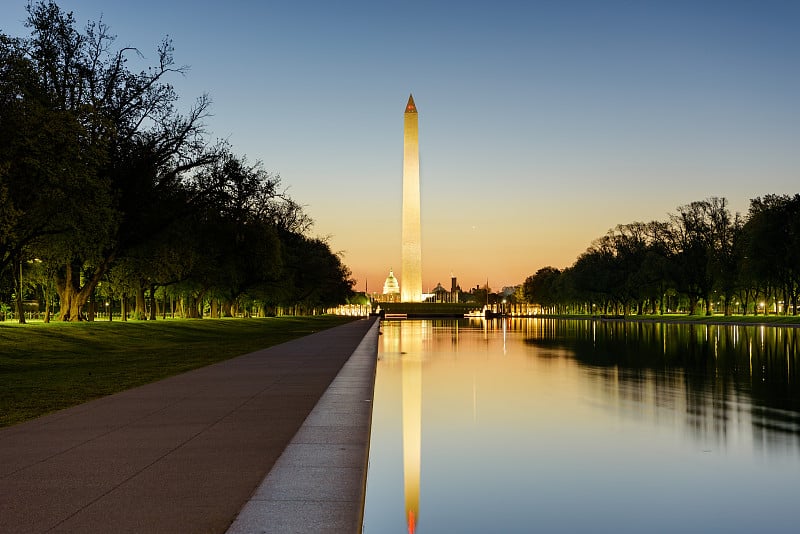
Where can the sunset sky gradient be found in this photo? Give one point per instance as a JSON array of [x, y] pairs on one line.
[[542, 124]]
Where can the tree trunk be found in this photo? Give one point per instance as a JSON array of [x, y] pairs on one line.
[[18, 291], [72, 303], [692, 304], [73, 297], [140, 311], [153, 303], [70, 294], [193, 307]]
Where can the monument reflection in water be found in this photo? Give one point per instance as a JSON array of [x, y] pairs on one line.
[[412, 420], [548, 425]]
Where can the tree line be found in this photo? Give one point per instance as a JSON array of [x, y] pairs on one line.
[[702, 259], [108, 190]]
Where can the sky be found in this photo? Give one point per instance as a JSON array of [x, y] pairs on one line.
[[543, 124]]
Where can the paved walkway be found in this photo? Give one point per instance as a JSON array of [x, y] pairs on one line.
[[181, 455], [318, 483]]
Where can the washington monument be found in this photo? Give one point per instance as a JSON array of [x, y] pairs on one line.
[[411, 276]]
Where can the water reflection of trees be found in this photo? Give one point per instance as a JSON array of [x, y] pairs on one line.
[[722, 375]]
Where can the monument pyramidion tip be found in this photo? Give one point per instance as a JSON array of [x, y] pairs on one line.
[[411, 107]]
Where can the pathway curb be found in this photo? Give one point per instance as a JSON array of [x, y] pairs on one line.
[[319, 482]]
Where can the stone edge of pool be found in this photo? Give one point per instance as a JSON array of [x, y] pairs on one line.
[[319, 482]]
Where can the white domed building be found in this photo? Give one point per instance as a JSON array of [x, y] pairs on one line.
[[391, 289]]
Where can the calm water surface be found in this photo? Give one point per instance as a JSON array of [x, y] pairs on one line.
[[577, 426]]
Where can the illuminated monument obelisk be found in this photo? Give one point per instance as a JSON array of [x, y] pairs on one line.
[[411, 277]]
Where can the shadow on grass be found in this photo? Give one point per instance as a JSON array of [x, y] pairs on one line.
[[47, 367]]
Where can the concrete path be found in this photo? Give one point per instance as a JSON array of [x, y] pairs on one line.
[[181, 455], [318, 483]]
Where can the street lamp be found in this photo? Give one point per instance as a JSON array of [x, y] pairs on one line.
[[21, 318]]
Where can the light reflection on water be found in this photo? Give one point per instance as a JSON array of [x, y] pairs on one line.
[[573, 426]]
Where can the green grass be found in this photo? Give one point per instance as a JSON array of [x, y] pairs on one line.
[[47, 367]]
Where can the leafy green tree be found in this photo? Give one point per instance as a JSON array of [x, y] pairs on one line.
[[542, 287], [703, 234], [314, 276], [104, 180], [658, 266], [52, 194], [122, 150], [240, 236], [630, 249], [727, 260], [772, 244]]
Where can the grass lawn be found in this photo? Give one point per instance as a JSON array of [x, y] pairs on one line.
[[47, 367]]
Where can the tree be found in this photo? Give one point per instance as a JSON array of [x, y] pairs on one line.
[[630, 250], [313, 275], [772, 244], [725, 259], [104, 180], [702, 235], [48, 177], [542, 287], [658, 266], [122, 128]]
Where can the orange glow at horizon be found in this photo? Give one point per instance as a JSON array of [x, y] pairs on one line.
[[504, 256]]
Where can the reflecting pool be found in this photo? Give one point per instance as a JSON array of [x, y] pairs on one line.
[[542, 425]]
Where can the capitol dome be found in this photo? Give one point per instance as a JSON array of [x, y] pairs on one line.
[[391, 286]]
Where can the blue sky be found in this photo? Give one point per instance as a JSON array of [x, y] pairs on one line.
[[542, 124]]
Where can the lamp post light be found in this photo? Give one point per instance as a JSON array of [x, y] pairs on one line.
[[20, 312]]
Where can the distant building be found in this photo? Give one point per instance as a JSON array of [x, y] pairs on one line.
[[391, 289], [455, 289], [441, 294]]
